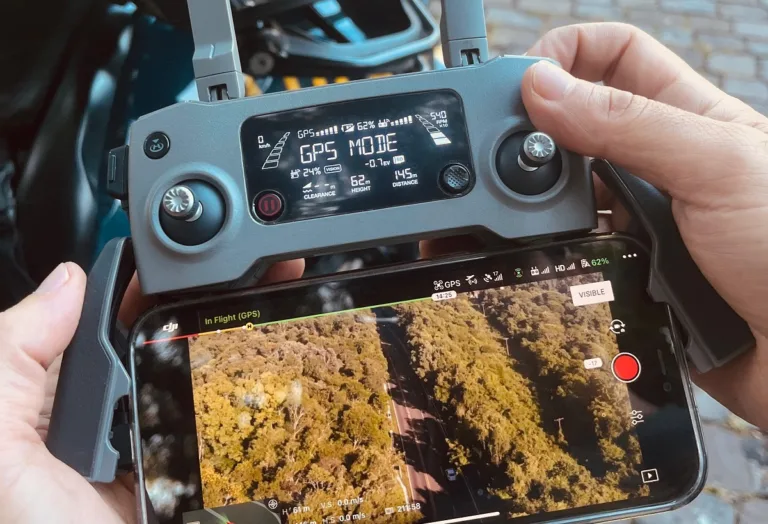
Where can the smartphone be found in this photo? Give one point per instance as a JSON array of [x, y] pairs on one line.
[[531, 385]]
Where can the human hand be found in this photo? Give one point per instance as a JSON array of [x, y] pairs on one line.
[[658, 118], [35, 486]]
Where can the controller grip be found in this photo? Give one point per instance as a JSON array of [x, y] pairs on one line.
[[92, 377], [716, 333]]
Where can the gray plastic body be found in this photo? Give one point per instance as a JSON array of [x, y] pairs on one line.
[[216, 60], [207, 146], [92, 378]]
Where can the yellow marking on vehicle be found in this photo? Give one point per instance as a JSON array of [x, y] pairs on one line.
[[292, 83], [251, 87]]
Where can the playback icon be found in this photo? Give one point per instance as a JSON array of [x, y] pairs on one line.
[[649, 476]]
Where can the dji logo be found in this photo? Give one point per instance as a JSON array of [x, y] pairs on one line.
[[170, 328]]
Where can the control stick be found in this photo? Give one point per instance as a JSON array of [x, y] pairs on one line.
[[538, 150], [179, 202], [192, 213], [529, 163]]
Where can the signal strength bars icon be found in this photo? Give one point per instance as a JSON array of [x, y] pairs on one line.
[[571, 267], [333, 130], [401, 121]]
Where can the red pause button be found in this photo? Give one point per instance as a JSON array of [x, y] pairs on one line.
[[626, 367], [269, 205]]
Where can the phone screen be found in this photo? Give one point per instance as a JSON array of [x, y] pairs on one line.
[[527, 385]]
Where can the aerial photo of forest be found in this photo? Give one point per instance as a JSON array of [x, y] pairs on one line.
[[419, 412]]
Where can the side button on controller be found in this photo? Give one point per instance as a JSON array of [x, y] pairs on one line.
[[269, 206], [117, 173]]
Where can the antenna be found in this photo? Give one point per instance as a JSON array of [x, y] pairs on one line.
[[463, 32], [218, 72]]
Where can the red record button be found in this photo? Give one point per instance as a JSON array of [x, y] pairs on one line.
[[269, 205], [626, 367]]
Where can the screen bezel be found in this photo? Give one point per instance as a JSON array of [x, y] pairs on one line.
[[676, 446]]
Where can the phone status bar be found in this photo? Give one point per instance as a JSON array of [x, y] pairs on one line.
[[518, 275]]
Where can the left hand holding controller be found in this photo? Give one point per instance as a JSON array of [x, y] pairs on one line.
[[34, 485]]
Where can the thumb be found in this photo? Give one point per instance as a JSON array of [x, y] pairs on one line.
[[680, 152], [32, 335]]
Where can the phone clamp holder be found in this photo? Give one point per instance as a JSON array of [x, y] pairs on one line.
[[716, 334]]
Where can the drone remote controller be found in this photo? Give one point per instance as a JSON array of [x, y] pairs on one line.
[[218, 189]]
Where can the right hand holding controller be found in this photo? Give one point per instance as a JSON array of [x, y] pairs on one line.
[[658, 118]]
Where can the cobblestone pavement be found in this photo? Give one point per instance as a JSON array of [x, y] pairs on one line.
[[727, 42]]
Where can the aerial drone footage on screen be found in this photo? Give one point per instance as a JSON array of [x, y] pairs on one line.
[[491, 389], [382, 408]]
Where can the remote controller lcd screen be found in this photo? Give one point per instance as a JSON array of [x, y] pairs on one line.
[[354, 156], [521, 386]]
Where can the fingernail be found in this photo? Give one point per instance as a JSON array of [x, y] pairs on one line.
[[54, 281], [549, 81]]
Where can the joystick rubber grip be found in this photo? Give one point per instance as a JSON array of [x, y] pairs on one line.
[[716, 333]]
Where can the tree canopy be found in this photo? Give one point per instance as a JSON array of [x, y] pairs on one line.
[[504, 409], [299, 411]]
